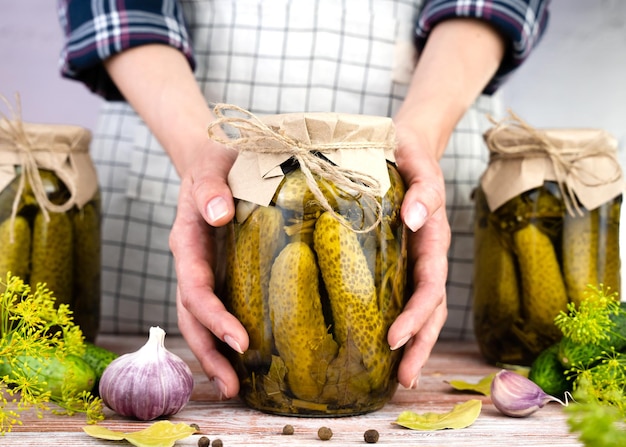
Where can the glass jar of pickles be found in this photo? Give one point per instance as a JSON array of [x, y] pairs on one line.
[[316, 276], [546, 227], [50, 215]]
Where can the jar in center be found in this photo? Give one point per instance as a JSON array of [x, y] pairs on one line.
[[317, 295]]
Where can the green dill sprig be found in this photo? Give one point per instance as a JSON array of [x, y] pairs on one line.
[[597, 425], [598, 413], [32, 325], [590, 322]]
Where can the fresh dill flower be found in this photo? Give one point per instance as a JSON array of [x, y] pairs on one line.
[[591, 321], [598, 413], [33, 330]]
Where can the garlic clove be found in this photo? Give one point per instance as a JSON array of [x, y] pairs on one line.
[[516, 396], [149, 383]]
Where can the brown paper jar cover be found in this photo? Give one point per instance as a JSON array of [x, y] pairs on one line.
[[546, 228], [50, 214], [316, 285]]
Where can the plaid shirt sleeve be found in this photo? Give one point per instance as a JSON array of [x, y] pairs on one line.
[[521, 22], [96, 30]]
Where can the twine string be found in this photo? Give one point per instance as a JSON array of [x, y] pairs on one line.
[[12, 130], [255, 136], [564, 160]]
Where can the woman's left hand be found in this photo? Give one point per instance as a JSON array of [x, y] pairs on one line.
[[423, 211]]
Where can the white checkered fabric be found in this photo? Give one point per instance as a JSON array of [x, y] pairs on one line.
[[270, 56]]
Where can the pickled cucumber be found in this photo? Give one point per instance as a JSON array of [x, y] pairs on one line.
[[497, 301], [86, 293], [14, 255], [609, 263], [52, 255], [294, 194], [259, 239], [392, 200], [389, 263], [580, 253], [391, 274], [352, 295], [300, 333], [543, 289], [7, 199]]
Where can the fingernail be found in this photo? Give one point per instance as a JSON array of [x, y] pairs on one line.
[[401, 342], [223, 390], [217, 208], [414, 382], [416, 216], [230, 341]]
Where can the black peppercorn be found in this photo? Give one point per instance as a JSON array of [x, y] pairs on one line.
[[325, 433], [371, 436], [217, 443], [288, 429], [203, 441]]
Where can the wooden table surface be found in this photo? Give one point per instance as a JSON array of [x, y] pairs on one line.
[[237, 425]]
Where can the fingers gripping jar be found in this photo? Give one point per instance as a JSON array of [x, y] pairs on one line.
[[50, 215], [546, 228], [317, 262]]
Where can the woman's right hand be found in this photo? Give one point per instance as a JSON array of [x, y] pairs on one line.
[[159, 84], [205, 204]]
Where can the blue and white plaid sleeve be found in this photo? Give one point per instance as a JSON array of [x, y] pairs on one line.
[[97, 29], [521, 22]]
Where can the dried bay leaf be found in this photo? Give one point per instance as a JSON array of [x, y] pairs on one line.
[[482, 387], [159, 434], [347, 378], [461, 416]]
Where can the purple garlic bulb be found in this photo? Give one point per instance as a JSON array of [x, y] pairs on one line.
[[149, 383]]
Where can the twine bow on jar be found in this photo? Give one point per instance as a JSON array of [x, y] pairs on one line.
[[30, 153], [257, 137], [512, 138]]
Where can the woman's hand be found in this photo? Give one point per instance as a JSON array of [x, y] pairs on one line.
[[157, 81], [423, 211], [205, 203]]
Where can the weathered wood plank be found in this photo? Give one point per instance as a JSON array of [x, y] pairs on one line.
[[237, 425]]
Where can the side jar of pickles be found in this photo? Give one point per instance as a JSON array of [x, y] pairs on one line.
[[50, 215], [317, 276], [546, 229]]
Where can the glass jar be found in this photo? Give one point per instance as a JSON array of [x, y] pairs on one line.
[[542, 237], [317, 296], [50, 216], [532, 258]]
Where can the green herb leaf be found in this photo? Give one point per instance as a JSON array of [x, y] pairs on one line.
[[35, 332], [591, 321], [159, 434], [482, 387], [461, 416]]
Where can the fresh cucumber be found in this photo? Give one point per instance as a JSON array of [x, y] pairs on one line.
[[52, 373], [572, 354], [547, 372], [98, 358]]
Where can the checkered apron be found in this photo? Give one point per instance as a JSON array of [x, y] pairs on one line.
[[269, 56]]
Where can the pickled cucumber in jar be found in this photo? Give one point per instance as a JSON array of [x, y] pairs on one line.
[[317, 298], [547, 228], [58, 249], [532, 258]]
